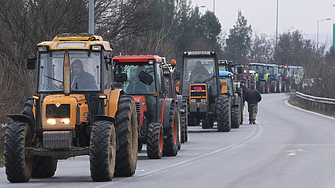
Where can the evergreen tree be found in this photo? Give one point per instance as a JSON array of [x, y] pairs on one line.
[[239, 40]]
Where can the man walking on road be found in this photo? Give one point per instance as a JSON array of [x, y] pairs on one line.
[[253, 97]]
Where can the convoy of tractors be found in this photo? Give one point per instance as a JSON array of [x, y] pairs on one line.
[[88, 102]]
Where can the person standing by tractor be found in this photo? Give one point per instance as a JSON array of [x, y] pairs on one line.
[[253, 97]]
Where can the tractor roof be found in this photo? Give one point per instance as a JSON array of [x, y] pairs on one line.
[[257, 64], [137, 59], [271, 65], [225, 74], [76, 41], [295, 67]]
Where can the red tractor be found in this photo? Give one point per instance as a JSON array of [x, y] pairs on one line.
[[158, 114]]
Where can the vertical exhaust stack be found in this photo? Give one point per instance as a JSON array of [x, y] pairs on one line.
[[67, 73]]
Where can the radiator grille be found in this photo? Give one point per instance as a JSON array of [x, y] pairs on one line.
[[63, 111], [138, 110]]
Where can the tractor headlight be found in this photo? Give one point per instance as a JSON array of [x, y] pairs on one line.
[[193, 100], [51, 121], [203, 100], [65, 121]]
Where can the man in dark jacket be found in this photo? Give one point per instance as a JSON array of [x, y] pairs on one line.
[[81, 79], [199, 70], [253, 97]]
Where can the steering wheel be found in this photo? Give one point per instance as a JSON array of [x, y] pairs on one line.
[[198, 78]]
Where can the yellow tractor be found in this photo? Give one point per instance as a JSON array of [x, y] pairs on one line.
[[75, 111]]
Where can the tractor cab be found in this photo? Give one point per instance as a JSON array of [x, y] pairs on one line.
[[142, 77], [200, 84], [261, 77]]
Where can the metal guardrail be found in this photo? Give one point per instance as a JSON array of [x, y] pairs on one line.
[[315, 99]]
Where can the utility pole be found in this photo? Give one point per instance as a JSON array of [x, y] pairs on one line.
[[91, 17]]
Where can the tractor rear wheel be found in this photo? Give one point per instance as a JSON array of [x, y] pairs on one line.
[[155, 140], [273, 86], [223, 113], [44, 167], [170, 130], [127, 137], [235, 117], [102, 151], [18, 165]]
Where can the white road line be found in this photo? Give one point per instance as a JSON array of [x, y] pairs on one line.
[[288, 104]]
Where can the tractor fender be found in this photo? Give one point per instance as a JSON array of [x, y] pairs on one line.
[[113, 101], [25, 119], [104, 118]]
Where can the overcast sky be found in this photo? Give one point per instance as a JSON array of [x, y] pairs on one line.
[[301, 15]]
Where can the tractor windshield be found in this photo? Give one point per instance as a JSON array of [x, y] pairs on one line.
[[85, 71], [281, 70], [257, 68], [199, 70], [136, 82]]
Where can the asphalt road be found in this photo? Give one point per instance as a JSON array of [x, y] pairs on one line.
[[288, 147]]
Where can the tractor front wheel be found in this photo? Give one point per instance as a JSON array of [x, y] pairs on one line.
[[223, 113], [44, 167], [155, 140], [18, 165], [102, 151], [235, 117]]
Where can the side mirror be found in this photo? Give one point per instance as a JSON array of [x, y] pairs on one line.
[[31, 64], [120, 77], [145, 78]]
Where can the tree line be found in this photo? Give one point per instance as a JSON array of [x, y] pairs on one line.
[[162, 27]]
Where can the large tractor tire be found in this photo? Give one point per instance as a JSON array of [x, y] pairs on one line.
[[273, 86], [178, 117], [207, 123], [155, 140], [127, 137], [44, 167], [170, 129], [223, 112], [279, 85], [182, 126], [102, 151], [18, 165], [235, 117], [184, 131]]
